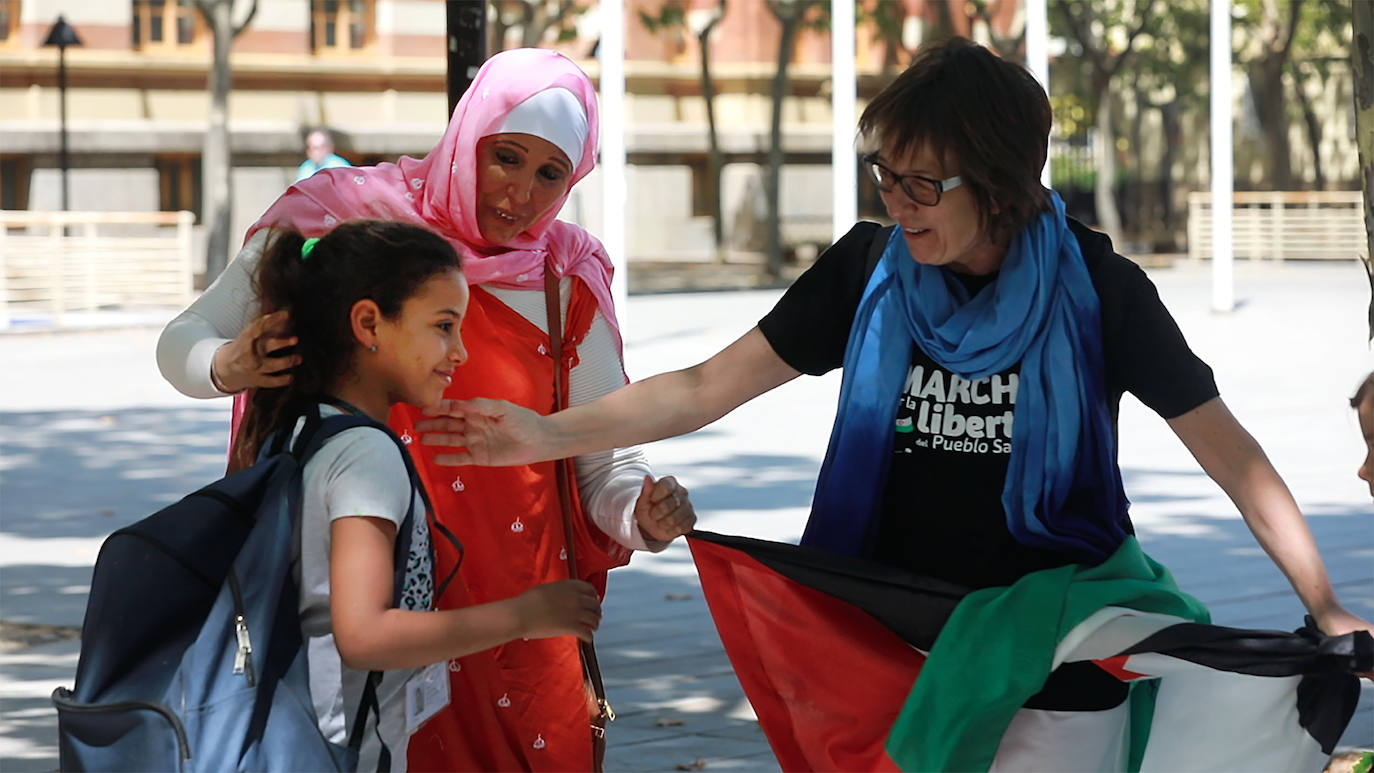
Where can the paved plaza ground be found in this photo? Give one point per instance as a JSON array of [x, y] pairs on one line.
[[91, 439]]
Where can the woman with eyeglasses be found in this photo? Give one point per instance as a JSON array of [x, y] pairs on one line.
[[986, 341]]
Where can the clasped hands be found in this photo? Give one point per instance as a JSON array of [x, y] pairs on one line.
[[495, 433]]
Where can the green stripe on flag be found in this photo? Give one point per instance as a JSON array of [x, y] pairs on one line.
[[995, 653]]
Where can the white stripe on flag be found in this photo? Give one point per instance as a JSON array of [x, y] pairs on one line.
[[1204, 719], [1108, 631], [1216, 720]]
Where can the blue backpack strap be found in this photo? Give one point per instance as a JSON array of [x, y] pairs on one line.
[[306, 444], [305, 447], [415, 482]]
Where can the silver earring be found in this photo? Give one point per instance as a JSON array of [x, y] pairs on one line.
[[372, 348]]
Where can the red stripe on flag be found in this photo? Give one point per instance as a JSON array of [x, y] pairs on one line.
[[1116, 666], [826, 679]]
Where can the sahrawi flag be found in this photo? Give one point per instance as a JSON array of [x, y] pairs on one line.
[[828, 649]]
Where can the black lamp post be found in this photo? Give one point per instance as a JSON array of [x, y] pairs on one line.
[[62, 35], [467, 45]]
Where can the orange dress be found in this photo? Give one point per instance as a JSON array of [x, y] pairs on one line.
[[522, 705]]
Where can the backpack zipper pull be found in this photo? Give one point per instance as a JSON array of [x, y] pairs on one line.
[[245, 645]]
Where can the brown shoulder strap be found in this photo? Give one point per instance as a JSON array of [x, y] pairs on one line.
[[553, 308]]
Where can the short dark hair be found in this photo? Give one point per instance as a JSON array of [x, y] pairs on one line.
[[380, 260], [987, 116]]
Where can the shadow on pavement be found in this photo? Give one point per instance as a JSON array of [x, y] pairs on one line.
[[664, 669], [139, 460]]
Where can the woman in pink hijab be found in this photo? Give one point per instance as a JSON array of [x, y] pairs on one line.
[[523, 134]]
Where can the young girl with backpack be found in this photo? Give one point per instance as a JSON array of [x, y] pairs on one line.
[[379, 307]]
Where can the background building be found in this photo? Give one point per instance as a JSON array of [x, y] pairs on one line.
[[373, 71]]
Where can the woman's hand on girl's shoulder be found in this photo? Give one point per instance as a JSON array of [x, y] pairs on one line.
[[254, 359], [562, 608], [490, 433]]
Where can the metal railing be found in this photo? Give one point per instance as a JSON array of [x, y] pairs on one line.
[[56, 263], [1284, 225]]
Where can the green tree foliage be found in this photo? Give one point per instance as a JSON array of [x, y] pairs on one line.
[[1268, 29], [534, 19], [885, 22], [1322, 40], [1103, 38], [1169, 79]]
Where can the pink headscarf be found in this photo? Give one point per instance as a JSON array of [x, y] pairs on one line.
[[440, 190]]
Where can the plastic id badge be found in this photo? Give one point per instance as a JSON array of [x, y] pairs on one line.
[[426, 693]]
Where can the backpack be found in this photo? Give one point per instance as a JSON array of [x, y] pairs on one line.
[[191, 651]]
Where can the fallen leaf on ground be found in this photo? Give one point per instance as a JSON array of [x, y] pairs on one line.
[[668, 722], [676, 596], [18, 636], [693, 765]]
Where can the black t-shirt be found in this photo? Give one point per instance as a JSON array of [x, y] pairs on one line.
[[942, 508]]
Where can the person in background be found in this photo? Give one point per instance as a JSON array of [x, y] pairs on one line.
[[319, 154]]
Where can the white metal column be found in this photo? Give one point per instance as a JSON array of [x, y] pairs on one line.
[[844, 203], [1223, 279], [1038, 57], [611, 55]]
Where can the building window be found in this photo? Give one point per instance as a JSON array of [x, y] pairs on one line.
[[9, 22], [341, 26], [166, 24], [178, 179], [14, 182]]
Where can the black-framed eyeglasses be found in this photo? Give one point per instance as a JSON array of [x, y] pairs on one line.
[[920, 189]]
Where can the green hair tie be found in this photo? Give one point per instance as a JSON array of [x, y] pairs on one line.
[[309, 246]]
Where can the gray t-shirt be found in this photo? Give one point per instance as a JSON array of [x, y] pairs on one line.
[[358, 472]]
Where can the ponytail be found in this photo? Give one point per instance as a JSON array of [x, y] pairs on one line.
[[318, 281]]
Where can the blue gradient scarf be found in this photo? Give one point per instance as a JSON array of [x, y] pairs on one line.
[[1063, 489]]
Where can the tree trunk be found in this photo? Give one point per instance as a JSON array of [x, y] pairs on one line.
[[1103, 66], [1172, 124], [497, 28], [539, 19], [714, 160], [944, 21], [1362, 63], [890, 29], [1311, 122], [217, 163], [532, 30], [1105, 146], [1140, 208], [1266, 88], [773, 176]]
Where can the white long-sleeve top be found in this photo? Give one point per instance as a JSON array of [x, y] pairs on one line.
[[609, 481]]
